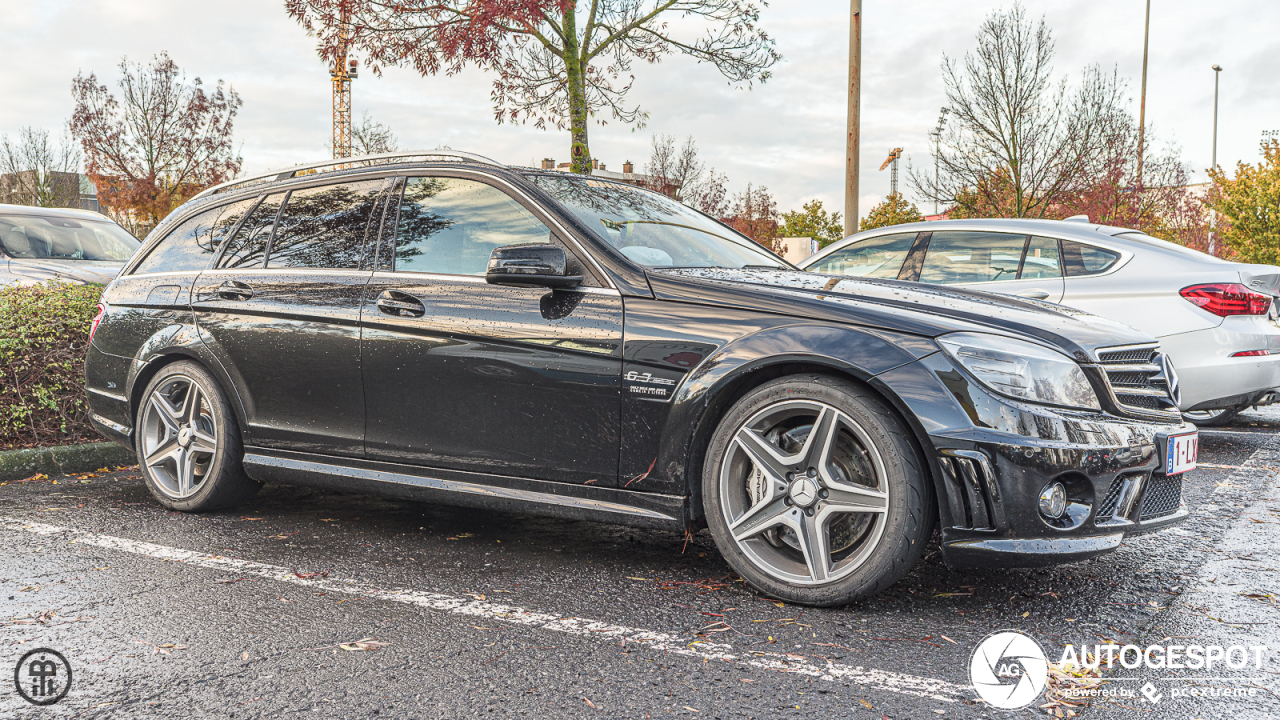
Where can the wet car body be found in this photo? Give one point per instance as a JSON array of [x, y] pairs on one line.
[[597, 402]]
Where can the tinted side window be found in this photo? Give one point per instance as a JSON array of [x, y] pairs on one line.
[[192, 244], [1042, 260], [877, 257], [248, 249], [451, 225], [324, 227], [1080, 259], [969, 257]]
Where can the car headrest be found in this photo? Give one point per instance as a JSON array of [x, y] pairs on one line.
[[17, 244]]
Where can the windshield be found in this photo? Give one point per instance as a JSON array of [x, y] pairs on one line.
[[653, 230], [60, 238]]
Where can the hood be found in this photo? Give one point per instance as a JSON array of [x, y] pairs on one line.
[[928, 310], [27, 270]]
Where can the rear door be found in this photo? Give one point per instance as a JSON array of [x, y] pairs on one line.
[[282, 310], [1007, 263], [464, 375]]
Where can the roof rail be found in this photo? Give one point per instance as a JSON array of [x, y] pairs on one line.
[[347, 164]]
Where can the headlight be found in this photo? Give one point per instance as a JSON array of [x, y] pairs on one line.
[[1021, 370]]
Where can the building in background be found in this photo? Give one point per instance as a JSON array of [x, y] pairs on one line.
[[795, 249], [66, 190]]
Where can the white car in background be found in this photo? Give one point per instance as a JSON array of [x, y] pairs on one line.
[[1215, 320], [76, 246]]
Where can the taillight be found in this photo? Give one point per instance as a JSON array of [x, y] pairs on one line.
[[1223, 299], [97, 320], [1251, 353]]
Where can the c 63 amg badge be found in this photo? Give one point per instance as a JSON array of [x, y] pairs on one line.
[[648, 385]]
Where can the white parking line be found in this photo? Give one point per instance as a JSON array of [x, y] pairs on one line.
[[655, 641]]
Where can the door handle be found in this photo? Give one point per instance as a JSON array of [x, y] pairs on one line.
[[234, 290], [1034, 294], [394, 302]]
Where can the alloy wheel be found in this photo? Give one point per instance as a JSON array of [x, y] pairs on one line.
[[803, 492], [179, 436]]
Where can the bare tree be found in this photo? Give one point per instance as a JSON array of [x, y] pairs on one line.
[[557, 61], [372, 138], [36, 171], [754, 213], [679, 174], [162, 142], [1017, 142]]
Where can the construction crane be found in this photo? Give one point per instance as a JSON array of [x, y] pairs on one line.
[[893, 176], [343, 72]]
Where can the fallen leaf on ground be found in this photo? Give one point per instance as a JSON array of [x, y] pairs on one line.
[[363, 644]]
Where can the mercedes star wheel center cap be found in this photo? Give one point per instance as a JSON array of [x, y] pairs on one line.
[[184, 437], [804, 491]]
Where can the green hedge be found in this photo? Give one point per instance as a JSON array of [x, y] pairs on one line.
[[44, 333]]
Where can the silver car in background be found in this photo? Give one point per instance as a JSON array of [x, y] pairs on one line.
[[78, 246], [1216, 320]]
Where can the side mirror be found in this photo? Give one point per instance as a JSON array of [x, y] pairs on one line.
[[537, 265]]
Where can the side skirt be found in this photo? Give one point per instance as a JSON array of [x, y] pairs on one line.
[[467, 489]]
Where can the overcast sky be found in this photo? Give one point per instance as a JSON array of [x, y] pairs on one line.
[[787, 134]]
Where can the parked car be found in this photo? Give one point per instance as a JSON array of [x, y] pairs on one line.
[[1216, 320], [41, 244], [445, 328]]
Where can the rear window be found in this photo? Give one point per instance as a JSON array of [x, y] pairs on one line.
[[61, 238], [324, 227], [192, 244], [1080, 259]]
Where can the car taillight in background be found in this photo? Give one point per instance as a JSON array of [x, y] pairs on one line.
[[97, 319], [1223, 299], [1251, 353]]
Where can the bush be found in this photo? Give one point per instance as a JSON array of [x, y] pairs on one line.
[[44, 333]]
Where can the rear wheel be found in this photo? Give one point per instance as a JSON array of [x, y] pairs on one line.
[[814, 491], [1216, 417], [188, 442]]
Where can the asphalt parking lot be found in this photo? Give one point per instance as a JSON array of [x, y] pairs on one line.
[[462, 613]]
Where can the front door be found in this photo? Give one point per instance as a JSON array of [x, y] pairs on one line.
[[461, 374], [282, 312], [1005, 263]]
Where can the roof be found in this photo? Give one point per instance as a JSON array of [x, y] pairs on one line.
[[52, 212], [1084, 230]]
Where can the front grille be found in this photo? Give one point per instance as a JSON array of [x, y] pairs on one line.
[[1164, 496], [1108, 507], [969, 500], [1136, 376]]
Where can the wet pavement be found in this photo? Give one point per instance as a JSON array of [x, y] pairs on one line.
[[257, 612]]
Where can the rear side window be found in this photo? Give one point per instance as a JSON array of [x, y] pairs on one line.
[[324, 227], [1080, 259], [877, 257], [1042, 260], [451, 225], [248, 249], [192, 244], [972, 257]]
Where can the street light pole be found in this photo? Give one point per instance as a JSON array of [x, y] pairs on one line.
[[1142, 104], [936, 134], [1213, 214], [851, 141]]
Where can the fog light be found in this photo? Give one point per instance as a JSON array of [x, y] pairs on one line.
[[1053, 500]]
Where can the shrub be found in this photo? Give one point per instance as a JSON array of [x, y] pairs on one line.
[[44, 333]]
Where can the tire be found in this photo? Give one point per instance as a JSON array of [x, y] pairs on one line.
[[1216, 417], [188, 443], [870, 462]]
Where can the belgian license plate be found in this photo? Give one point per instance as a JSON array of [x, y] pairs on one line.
[[1180, 453]]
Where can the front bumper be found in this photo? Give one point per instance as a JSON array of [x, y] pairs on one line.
[[994, 456]]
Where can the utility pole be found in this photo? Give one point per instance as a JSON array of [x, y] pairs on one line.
[[851, 142], [936, 134], [1142, 104], [1213, 214], [342, 74]]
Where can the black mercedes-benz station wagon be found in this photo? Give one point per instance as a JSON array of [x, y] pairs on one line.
[[440, 327]]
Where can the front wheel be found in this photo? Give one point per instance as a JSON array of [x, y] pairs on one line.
[[814, 491], [188, 442]]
